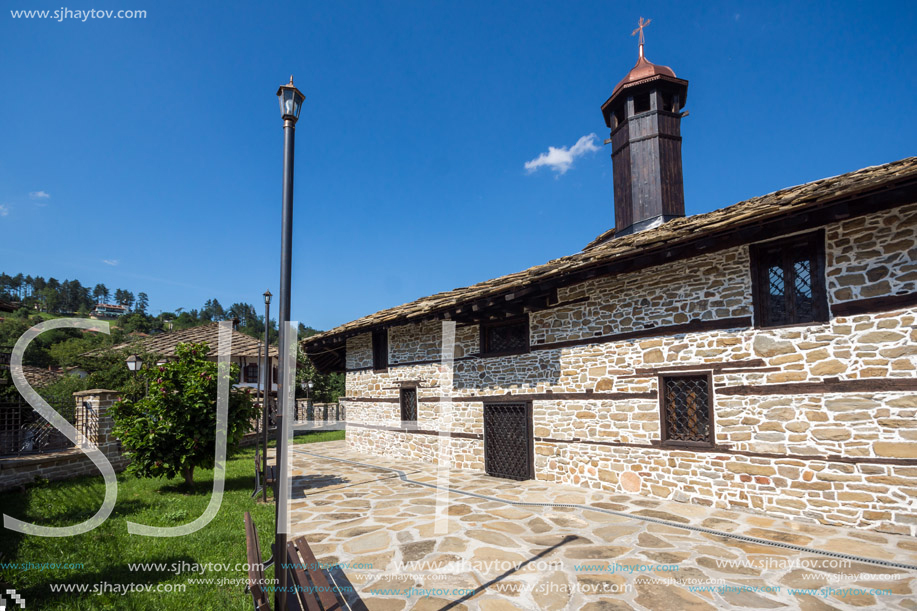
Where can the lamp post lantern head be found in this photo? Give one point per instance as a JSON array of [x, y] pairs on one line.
[[291, 100], [134, 362], [267, 297], [310, 385]]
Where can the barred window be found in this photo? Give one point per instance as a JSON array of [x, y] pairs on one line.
[[505, 337], [409, 404], [380, 350], [789, 281], [251, 373], [687, 412]]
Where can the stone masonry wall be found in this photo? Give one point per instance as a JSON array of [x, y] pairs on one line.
[[91, 417], [846, 457]]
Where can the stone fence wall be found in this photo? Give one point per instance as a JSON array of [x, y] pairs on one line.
[[92, 418], [306, 411]]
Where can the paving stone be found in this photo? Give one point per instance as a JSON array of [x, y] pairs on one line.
[[495, 604], [373, 542], [600, 552], [813, 603], [552, 593], [777, 535], [603, 584], [385, 604], [648, 540], [437, 604], [610, 533], [750, 600], [418, 550], [607, 604], [723, 567], [656, 595], [803, 579]]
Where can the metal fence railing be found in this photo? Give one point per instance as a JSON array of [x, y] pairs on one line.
[[24, 431], [306, 411]]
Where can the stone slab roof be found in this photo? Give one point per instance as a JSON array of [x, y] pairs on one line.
[[164, 344], [606, 249], [40, 376]]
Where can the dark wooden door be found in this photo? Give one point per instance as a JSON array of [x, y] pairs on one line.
[[508, 440]]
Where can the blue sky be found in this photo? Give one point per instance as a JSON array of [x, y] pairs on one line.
[[146, 153]]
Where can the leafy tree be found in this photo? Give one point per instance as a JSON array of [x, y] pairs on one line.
[[50, 299], [325, 388], [143, 301], [135, 322], [172, 429], [100, 293]]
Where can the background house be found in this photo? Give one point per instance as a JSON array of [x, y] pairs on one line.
[[108, 310], [244, 353]]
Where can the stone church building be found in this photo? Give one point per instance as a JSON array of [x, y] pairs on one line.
[[761, 356]]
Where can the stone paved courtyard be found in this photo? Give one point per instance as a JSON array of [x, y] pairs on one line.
[[492, 555]]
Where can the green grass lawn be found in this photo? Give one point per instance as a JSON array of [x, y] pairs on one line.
[[106, 552]]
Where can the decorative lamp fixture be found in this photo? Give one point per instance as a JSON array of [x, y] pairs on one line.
[[134, 362], [291, 100]]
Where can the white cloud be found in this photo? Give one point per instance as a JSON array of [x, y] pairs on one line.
[[110, 261], [39, 195], [561, 159], [4, 210]]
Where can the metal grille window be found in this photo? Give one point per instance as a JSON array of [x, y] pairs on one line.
[[505, 337], [687, 414], [789, 281], [251, 373], [508, 440], [24, 431], [380, 350], [409, 405]]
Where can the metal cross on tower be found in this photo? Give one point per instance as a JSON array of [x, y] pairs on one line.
[[640, 27]]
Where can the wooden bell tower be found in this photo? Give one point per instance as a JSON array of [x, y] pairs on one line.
[[644, 113]]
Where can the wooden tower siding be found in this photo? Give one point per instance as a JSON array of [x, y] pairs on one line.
[[646, 155]]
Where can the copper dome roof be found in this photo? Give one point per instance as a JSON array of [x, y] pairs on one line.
[[642, 70]]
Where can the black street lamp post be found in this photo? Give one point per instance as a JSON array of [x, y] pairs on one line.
[[135, 364], [291, 100]]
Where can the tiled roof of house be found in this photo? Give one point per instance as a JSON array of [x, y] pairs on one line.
[[40, 376], [8, 306], [604, 250], [164, 344]]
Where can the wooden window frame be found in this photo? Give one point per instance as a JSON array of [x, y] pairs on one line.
[[246, 370], [380, 352], [812, 241], [484, 327], [663, 421], [529, 423], [409, 388]]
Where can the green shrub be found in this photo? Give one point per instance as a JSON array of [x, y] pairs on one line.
[[172, 428]]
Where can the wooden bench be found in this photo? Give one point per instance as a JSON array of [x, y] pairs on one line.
[[260, 598], [312, 590], [262, 478]]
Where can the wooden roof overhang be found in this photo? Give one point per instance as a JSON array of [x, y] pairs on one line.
[[534, 289]]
